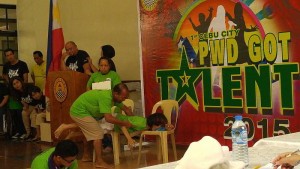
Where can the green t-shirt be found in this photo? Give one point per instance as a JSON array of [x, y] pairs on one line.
[[42, 161], [98, 77], [138, 123], [93, 103], [14, 105]]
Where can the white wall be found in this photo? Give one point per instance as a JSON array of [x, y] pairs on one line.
[[88, 23], [11, 2]]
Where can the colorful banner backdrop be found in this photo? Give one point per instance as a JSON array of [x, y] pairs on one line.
[[220, 58]]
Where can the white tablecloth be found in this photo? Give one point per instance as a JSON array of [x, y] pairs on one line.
[[283, 140], [261, 153]]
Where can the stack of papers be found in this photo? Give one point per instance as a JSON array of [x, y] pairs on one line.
[[105, 85]]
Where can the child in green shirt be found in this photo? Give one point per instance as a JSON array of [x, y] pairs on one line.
[[63, 156], [154, 122]]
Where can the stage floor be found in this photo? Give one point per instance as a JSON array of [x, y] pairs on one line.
[[18, 155]]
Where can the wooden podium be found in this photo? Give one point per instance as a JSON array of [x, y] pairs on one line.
[[64, 88]]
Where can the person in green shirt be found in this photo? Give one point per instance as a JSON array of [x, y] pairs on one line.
[[154, 122], [63, 156], [93, 105], [15, 109], [105, 73]]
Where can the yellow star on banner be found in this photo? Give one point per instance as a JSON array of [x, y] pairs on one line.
[[185, 79]]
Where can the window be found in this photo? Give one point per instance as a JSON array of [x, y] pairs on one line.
[[8, 31]]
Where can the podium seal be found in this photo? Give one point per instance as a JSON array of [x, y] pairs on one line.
[[60, 89]]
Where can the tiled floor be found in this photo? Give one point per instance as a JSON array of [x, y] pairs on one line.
[[19, 154]]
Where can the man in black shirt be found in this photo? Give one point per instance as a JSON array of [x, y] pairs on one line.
[[77, 60], [14, 67]]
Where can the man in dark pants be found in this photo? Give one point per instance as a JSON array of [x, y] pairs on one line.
[[15, 68], [3, 100]]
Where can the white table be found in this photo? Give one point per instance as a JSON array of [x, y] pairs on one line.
[[292, 139], [261, 153], [170, 165]]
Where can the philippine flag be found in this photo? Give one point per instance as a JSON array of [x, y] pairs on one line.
[[55, 41], [55, 38]]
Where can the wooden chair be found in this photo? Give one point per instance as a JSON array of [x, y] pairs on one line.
[[168, 107]]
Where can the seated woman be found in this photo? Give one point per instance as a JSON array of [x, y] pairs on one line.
[[20, 91], [40, 107], [104, 74]]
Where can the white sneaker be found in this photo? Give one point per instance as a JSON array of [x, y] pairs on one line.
[[23, 136], [16, 135]]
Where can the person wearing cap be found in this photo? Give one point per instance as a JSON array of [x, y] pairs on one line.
[[63, 156], [212, 156]]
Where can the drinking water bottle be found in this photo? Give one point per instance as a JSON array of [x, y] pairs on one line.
[[239, 140]]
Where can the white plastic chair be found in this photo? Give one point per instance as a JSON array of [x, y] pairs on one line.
[[168, 107], [116, 135]]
